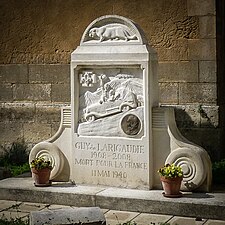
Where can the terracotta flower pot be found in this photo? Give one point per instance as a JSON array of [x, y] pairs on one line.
[[41, 177], [171, 186]]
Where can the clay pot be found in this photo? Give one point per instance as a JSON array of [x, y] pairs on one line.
[[41, 177], [171, 186]]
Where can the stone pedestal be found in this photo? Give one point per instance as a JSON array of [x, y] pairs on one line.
[[115, 133]]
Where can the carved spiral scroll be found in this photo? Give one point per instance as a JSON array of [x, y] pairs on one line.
[[51, 152], [192, 166]]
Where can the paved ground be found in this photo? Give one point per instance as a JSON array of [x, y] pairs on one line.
[[16, 209]]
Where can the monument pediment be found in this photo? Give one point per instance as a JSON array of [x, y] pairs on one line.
[[114, 30]]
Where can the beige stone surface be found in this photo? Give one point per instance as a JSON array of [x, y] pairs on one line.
[[5, 204], [61, 93], [8, 215], [207, 26], [115, 217], [144, 219], [215, 222], [32, 92], [207, 71], [17, 112], [47, 113], [178, 71], [197, 93], [202, 49], [186, 221], [28, 37], [36, 132], [58, 73], [178, 52], [201, 7], [10, 132], [14, 73], [6, 92], [30, 207], [169, 93]]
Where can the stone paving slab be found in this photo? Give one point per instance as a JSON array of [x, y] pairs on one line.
[[30, 207], [115, 217], [204, 205], [9, 214], [5, 204], [186, 221], [145, 218]]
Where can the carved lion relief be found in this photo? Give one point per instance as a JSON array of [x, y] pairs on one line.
[[112, 32]]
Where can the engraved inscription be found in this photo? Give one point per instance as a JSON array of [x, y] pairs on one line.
[[117, 158]]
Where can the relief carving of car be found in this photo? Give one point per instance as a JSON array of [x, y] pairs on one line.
[[108, 108]]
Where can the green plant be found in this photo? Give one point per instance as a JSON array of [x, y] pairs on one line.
[[40, 163], [16, 154], [17, 170], [170, 171], [12, 221], [218, 171], [14, 159]]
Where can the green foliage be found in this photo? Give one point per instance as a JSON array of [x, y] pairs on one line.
[[218, 171], [16, 154], [17, 170], [12, 221], [170, 171], [15, 159], [40, 163]]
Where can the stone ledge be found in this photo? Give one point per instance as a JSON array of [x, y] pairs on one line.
[[204, 205]]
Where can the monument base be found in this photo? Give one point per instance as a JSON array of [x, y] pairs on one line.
[[203, 205]]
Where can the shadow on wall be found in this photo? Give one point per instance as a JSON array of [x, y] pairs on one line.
[[199, 124]]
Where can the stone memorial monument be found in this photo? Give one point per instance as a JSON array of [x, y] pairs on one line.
[[115, 133]]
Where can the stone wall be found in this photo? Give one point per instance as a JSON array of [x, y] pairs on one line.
[[39, 36]]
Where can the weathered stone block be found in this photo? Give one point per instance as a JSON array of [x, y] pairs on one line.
[[46, 113], [187, 116], [55, 127], [61, 92], [17, 112], [209, 116], [178, 71], [49, 73], [36, 132], [197, 93], [202, 49], [207, 71], [32, 92], [179, 51], [14, 73], [168, 93], [207, 26], [201, 7], [10, 132], [75, 216], [6, 92]]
